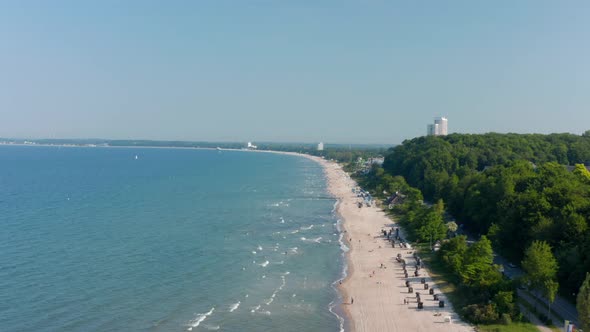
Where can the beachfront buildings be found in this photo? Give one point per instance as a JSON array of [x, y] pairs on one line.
[[438, 128], [320, 146]]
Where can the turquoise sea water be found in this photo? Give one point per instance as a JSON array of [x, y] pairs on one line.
[[93, 239]]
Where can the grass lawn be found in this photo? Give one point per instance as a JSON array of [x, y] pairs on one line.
[[514, 327]]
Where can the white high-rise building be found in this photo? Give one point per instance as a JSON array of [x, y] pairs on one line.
[[320, 146], [443, 125], [431, 129], [438, 128]]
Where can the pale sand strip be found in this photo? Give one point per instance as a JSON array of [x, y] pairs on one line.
[[379, 299]]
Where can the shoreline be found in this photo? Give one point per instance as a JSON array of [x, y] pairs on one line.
[[373, 277], [381, 305]]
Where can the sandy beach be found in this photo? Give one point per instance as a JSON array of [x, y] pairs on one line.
[[379, 292]]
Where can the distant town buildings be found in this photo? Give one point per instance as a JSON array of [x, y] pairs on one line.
[[251, 146], [320, 146], [440, 127]]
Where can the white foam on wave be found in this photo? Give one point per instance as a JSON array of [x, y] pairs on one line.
[[234, 306], [335, 206], [316, 240], [279, 204], [295, 231], [199, 319], [278, 289], [256, 308], [254, 252], [259, 248], [282, 220], [344, 249], [212, 327], [265, 264], [306, 228], [343, 246], [293, 250], [332, 305]]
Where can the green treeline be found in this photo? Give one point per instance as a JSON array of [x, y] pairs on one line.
[[513, 188]]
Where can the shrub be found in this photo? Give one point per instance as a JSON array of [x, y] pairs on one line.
[[504, 302], [481, 313]]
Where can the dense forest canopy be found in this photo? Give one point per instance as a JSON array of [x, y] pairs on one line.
[[515, 188]]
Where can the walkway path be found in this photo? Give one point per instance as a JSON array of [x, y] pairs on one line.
[[533, 319]]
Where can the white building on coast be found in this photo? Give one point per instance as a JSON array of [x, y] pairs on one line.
[[440, 127]]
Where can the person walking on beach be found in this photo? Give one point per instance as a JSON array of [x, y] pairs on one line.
[[351, 300]]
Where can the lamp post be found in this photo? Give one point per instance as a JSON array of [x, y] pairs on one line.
[[431, 231]]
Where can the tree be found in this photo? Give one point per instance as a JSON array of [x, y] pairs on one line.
[[414, 195], [439, 207], [550, 290], [453, 251], [583, 173], [539, 264], [508, 186], [504, 301], [478, 268], [583, 304], [431, 226], [480, 252], [540, 268], [452, 227]]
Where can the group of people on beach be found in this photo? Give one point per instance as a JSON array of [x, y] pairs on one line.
[[389, 234]]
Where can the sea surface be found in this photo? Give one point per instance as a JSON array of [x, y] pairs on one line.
[[142, 239]]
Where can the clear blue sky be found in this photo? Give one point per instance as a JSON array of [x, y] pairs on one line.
[[364, 71]]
